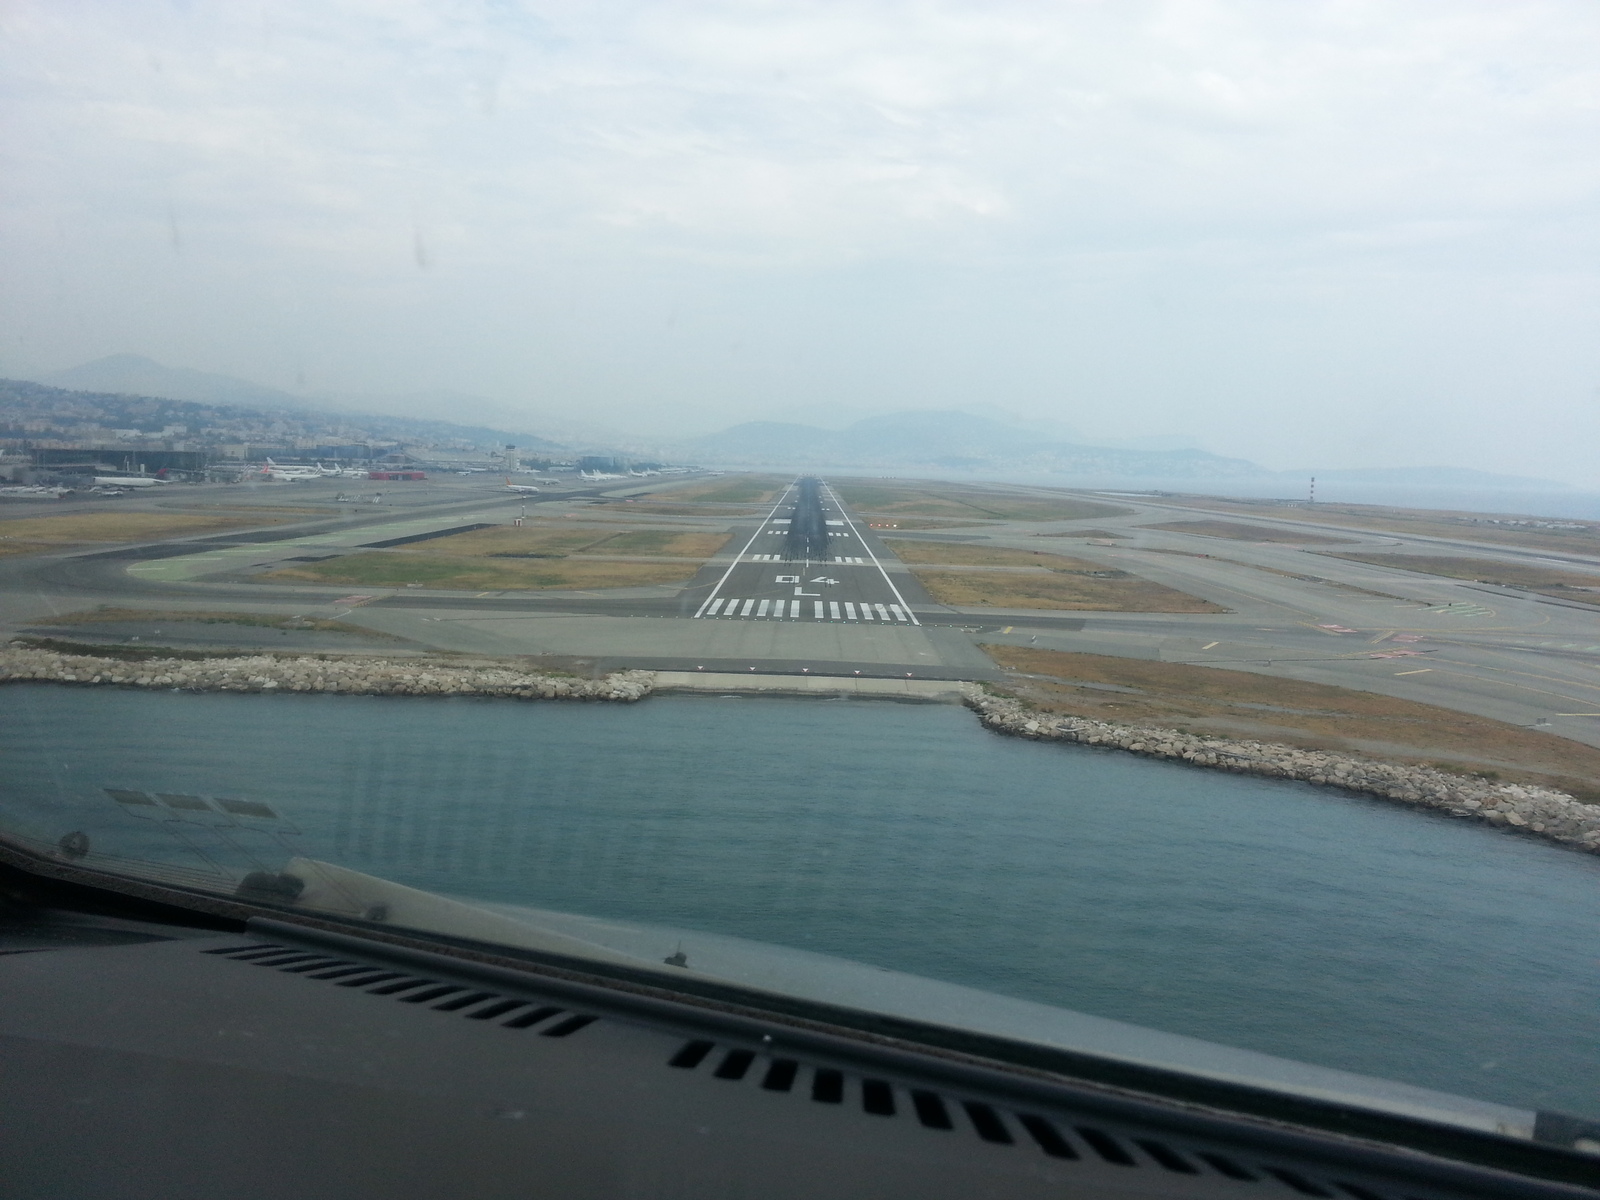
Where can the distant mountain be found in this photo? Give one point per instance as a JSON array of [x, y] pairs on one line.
[[38, 410], [946, 441], [136, 375]]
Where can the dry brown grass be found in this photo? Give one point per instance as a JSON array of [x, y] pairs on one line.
[[1115, 591], [969, 555], [1423, 521], [1234, 531], [951, 500], [1531, 576], [646, 508], [404, 568], [107, 615], [730, 489], [1217, 701], [559, 541], [663, 543], [30, 535]]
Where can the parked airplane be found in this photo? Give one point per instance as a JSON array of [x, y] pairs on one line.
[[35, 492], [597, 476], [128, 481], [289, 474], [519, 487]]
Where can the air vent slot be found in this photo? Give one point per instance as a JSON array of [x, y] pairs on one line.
[[1226, 1166], [1167, 1157], [1047, 1136], [414, 989], [931, 1111], [734, 1064], [877, 1098], [780, 1075], [1106, 1146], [1298, 1182], [987, 1123], [691, 1055], [997, 1127], [827, 1086]]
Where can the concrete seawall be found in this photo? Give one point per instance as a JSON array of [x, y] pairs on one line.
[[1541, 812]]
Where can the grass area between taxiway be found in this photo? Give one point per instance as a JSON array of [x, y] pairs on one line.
[[31, 535], [1500, 529], [733, 489], [521, 557], [1063, 583], [1228, 703], [1234, 531], [402, 569], [558, 541], [889, 499], [1528, 576], [105, 615]]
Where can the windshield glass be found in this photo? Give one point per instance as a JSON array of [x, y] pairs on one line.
[[1072, 525]]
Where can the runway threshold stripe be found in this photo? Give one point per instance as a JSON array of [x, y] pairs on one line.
[[898, 614], [715, 604], [882, 612], [748, 605], [833, 609], [850, 610], [765, 604], [817, 604], [866, 612]]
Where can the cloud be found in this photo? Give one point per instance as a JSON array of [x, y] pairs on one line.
[[399, 174]]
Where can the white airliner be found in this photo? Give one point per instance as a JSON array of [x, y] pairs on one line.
[[289, 474], [519, 487], [597, 476], [128, 481]]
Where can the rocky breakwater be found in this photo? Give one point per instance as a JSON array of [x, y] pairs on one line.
[[353, 676], [1542, 812]]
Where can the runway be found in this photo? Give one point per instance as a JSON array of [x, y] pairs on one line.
[[828, 572], [838, 599]]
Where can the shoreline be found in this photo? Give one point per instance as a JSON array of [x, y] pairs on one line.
[[1541, 812], [1537, 811], [352, 676]]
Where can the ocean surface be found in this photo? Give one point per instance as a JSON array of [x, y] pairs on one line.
[[1281, 917]]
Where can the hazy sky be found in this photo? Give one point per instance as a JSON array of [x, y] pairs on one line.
[[1305, 232]]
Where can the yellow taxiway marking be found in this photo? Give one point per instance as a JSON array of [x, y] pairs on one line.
[[1007, 629], [1424, 671], [1208, 645], [1383, 637], [1578, 714]]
